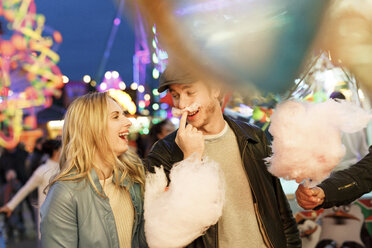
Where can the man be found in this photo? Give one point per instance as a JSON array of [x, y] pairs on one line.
[[341, 188], [256, 212]]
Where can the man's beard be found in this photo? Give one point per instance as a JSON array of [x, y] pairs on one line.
[[207, 111]]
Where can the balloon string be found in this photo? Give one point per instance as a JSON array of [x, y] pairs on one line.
[[303, 76]]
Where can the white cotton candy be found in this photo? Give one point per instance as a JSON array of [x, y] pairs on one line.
[[193, 202], [192, 108], [307, 137]]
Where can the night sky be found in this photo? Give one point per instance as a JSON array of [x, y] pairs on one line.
[[85, 26]]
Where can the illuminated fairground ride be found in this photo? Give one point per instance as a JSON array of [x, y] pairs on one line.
[[29, 74]]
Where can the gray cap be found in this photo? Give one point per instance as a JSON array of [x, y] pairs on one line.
[[174, 75]]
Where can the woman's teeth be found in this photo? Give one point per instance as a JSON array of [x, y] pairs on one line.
[[123, 135]]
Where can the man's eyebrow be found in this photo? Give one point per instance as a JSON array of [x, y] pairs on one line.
[[187, 87], [114, 112], [183, 87]]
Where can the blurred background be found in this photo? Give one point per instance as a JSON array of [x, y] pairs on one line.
[[264, 51]]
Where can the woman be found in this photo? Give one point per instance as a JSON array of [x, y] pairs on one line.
[[96, 199], [39, 179]]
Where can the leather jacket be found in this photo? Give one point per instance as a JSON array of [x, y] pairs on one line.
[[74, 215], [272, 210], [345, 186]]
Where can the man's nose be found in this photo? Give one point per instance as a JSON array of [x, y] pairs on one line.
[[183, 102]]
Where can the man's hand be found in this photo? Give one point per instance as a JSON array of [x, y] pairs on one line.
[[189, 139], [309, 198]]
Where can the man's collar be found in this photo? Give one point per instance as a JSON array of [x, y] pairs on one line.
[[240, 132]]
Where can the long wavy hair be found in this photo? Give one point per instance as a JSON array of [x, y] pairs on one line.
[[84, 135]]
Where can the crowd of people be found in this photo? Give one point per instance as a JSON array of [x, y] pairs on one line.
[[20, 174]]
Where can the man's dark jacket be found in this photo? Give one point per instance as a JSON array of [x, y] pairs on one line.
[[274, 215], [345, 186]]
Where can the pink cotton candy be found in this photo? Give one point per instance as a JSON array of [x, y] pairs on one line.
[[192, 203], [307, 137]]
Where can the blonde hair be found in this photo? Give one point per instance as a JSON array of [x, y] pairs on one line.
[[84, 135]]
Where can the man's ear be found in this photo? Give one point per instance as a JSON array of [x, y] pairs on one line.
[[216, 92]]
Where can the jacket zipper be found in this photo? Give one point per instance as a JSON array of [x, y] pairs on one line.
[[261, 225], [346, 186]]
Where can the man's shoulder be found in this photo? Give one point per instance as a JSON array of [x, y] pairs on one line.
[[164, 152], [241, 127], [247, 125], [168, 142]]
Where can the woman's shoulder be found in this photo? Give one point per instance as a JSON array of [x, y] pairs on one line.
[[70, 187]]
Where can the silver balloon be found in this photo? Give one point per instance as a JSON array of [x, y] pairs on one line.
[[260, 42]]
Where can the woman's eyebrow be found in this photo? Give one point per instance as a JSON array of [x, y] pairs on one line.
[[115, 112]]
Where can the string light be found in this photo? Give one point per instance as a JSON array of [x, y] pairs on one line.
[[155, 92], [147, 97], [115, 74], [155, 106], [134, 86], [108, 74], [141, 88], [103, 86], [122, 85], [155, 73], [65, 79], [87, 79]]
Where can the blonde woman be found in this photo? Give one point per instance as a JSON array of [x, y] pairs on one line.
[[96, 200]]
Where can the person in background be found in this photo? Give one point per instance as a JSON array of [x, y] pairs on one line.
[[39, 179], [13, 223], [159, 131], [15, 159], [96, 199], [33, 161], [37, 157]]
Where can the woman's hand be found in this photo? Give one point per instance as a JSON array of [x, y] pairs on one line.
[[7, 210]]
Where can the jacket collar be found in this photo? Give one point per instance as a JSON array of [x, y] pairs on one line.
[[241, 133], [95, 179]]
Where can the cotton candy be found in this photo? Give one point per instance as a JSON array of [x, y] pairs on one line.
[[192, 203], [178, 112], [307, 137]]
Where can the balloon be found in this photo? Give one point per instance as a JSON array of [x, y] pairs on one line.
[[347, 34], [261, 42]]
